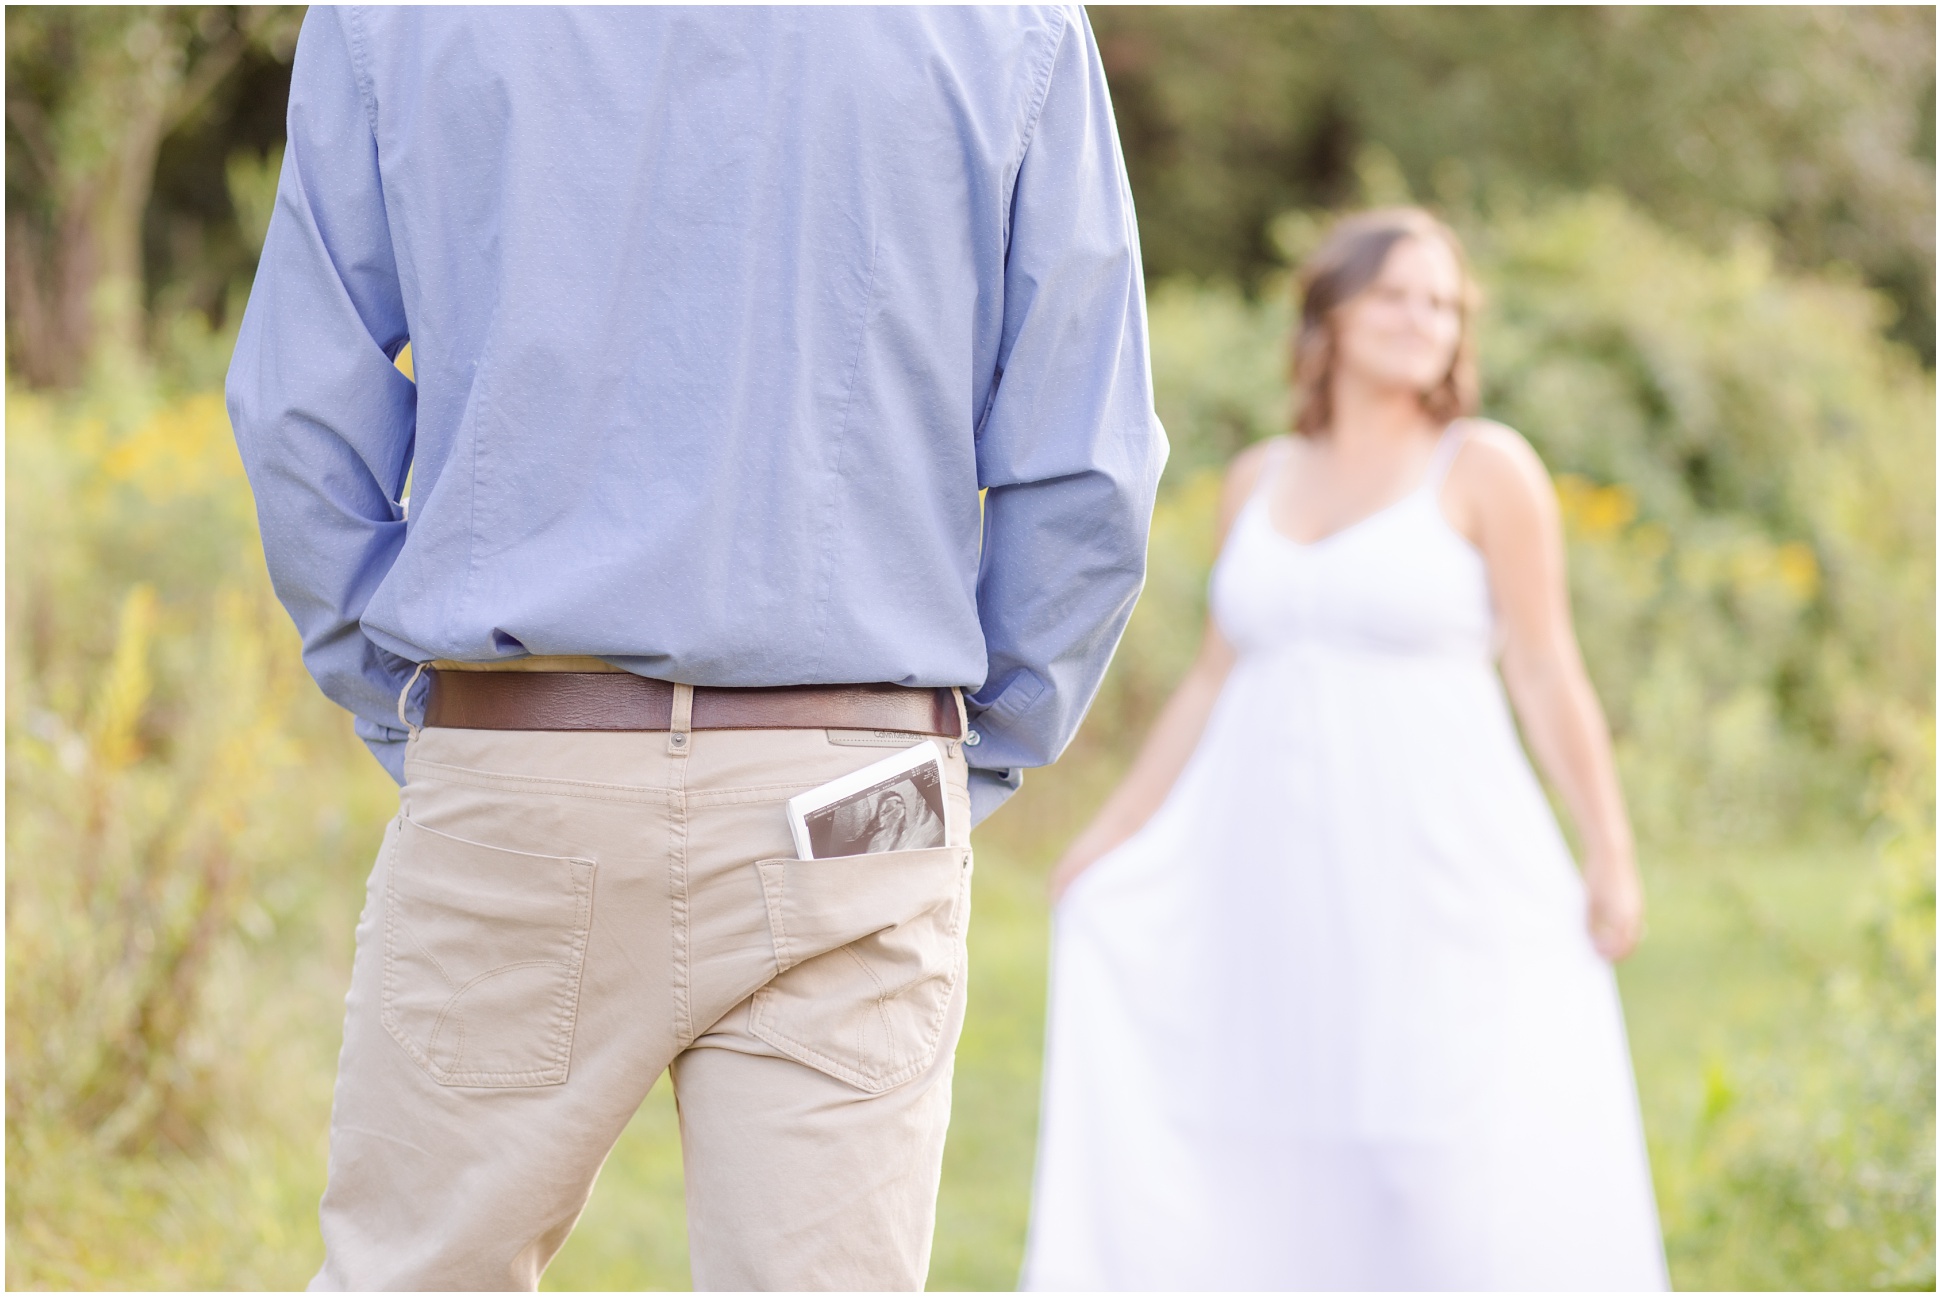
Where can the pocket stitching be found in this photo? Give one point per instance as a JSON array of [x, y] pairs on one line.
[[446, 1014], [564, 1018], [882, 994], [543, 785], [874, 1084], [777, 925], [763, 1028]]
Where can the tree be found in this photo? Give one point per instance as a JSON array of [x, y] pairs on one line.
[[91, 93]]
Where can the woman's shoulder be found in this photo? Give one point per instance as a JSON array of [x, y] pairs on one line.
[[1496, 474], [1246, 469], [1496, 458], [1495, 439], [1244, 474]]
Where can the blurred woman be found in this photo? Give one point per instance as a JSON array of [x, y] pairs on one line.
[[1330, 1006]]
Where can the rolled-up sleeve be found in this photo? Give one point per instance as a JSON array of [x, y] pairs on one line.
[[324, 420], [1070, 449]]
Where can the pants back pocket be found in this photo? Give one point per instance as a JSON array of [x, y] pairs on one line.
[[870, 950], [483, 948]]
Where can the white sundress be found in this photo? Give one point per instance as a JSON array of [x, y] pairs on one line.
[[1332, 1018]]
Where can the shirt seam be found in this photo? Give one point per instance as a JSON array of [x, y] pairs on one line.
[[355, 45], [1040, 92], [826, 577]]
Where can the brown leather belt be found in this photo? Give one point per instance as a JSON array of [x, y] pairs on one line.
[[573, 700]]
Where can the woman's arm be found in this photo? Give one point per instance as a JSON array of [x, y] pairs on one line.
[[1177, 731], [1501, 497], [1165, 753]]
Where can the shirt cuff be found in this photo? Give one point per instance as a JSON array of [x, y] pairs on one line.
[[989, 789]]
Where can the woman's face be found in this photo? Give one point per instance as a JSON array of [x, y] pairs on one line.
[[1403, 329]]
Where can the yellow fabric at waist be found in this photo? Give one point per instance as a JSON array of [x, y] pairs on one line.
[[530, 664]]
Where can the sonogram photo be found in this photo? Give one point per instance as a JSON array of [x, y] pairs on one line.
[[901, 814]]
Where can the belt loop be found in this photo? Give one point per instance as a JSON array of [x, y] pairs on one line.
[[963, 715], [681, 721], [405, 693]]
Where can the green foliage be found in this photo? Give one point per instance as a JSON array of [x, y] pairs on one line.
[[1818, 123], [1811, 1160], [1773, 599]]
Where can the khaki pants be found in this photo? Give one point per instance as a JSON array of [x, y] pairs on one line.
[[556, 918]]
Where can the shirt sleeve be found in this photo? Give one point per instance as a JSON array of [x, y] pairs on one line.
[[323, 419], [1070, 449]]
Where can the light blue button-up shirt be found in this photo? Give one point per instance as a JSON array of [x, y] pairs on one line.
[[720, 320]]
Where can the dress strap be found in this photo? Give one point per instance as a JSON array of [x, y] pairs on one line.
[[1447, 447], [1271, 470]]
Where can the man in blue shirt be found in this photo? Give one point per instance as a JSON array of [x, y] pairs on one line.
[[781, 401]]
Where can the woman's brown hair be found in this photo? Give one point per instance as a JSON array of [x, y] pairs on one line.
[[1345, 264]]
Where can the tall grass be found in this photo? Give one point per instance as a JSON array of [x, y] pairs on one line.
[[185, 819]]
